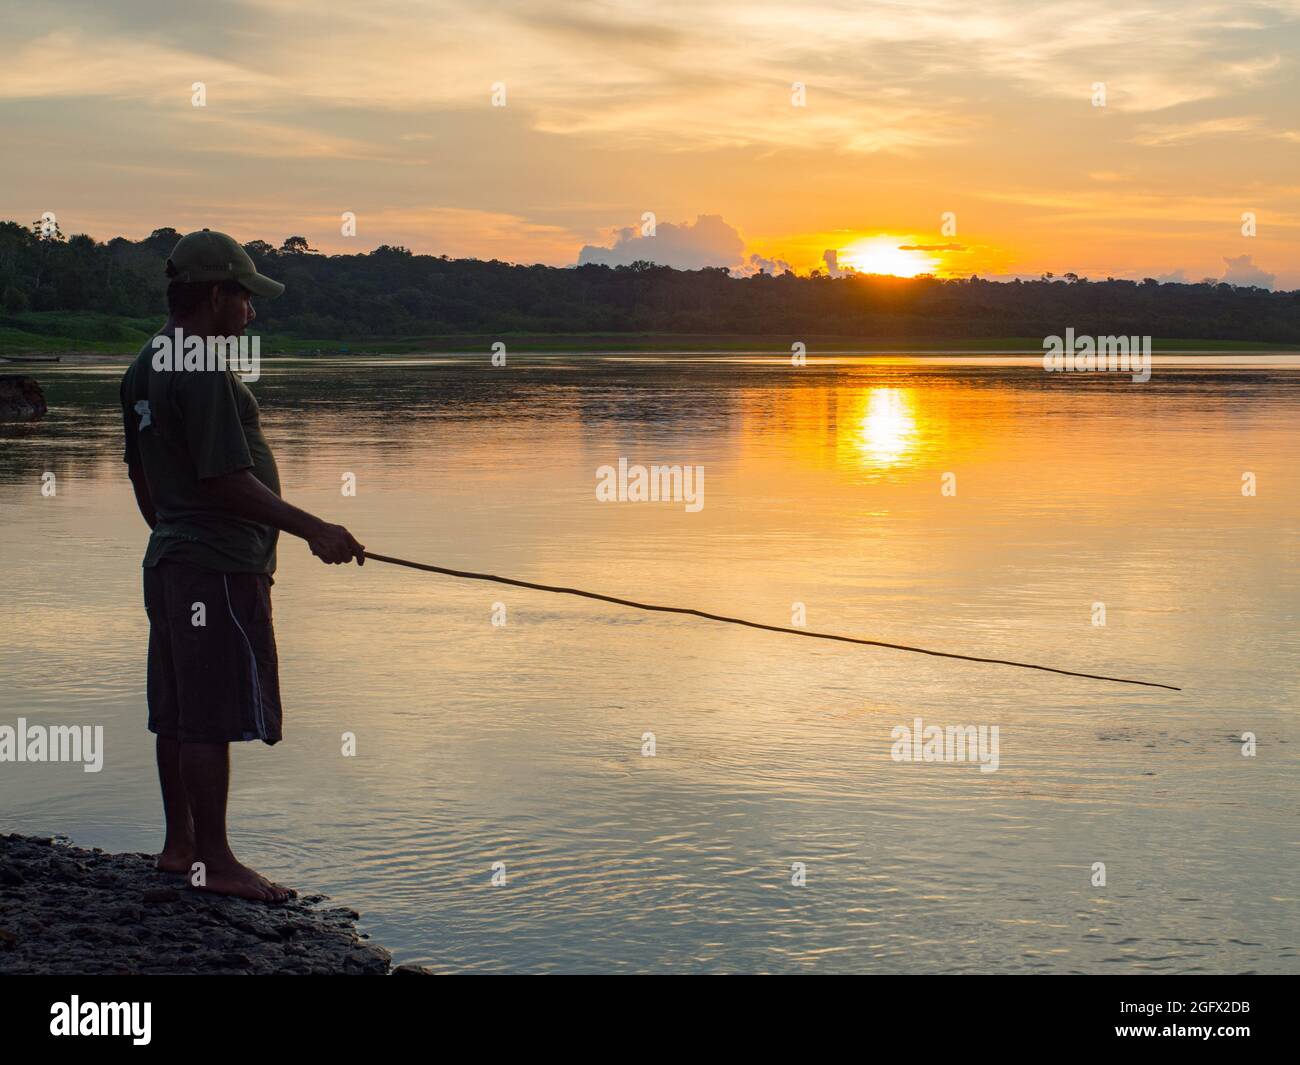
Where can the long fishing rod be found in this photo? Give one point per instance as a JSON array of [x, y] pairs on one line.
[[468, 575]]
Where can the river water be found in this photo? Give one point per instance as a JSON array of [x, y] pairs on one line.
[[974, 505]]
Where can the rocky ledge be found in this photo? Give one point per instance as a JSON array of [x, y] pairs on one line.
[[73, 911]]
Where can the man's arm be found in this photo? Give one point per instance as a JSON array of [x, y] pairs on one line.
[[143, 499], [243, 495]]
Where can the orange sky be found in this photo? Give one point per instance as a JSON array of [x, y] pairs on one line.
[[908, 114]]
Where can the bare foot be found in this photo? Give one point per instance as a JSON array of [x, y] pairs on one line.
[[243, 883], [175, 859]]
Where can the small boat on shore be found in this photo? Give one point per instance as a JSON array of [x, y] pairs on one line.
[[30, 358]]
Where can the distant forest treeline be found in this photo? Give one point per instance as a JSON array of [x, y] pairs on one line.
[[391, 292]]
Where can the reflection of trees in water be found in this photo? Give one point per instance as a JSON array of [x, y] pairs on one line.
[[76, 437], [391, 408], [387, 408]]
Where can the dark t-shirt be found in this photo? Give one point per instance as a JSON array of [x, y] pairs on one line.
[[197, 424]]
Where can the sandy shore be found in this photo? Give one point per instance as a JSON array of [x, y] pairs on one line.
[[67, 910]]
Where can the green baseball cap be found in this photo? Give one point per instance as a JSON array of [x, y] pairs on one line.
[[211, 256]]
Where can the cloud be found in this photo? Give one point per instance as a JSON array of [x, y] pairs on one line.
[[932, 247], [636, 102], [1242, 271], [709, 242], [889, 80], [1161, 136], [831, 260], [74, 63], [757, 264]]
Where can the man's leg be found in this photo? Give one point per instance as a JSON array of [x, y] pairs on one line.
[[164, 709], [205, 771], [178, 847]]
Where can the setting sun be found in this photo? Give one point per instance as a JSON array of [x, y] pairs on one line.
[[882, 255]]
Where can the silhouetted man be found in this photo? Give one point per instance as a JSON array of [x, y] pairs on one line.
[[206, 482]]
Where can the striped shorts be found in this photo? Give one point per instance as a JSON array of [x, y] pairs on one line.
[[214, 676]]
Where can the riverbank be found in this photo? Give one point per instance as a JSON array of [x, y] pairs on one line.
[[68, 910], [93, 338], [769, 351]]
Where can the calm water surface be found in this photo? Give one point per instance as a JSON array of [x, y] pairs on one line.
[[522, 743]]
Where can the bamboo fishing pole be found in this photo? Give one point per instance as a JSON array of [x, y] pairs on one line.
[[471, 576]]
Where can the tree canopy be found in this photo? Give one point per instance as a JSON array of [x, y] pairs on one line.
[[392, 292]]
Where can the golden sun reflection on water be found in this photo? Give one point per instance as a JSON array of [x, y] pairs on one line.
[[887, 431]]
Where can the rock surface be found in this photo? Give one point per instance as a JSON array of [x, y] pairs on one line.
[[73, 911], [21, 399]]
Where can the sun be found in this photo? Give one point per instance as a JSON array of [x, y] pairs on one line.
[[882, 255]]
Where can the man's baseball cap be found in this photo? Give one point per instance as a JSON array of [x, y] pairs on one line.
[[211, 256]]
